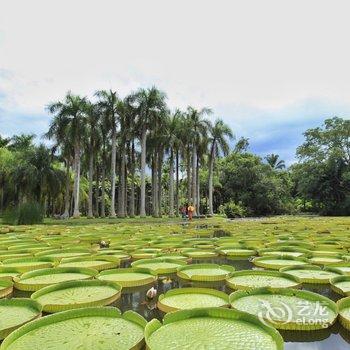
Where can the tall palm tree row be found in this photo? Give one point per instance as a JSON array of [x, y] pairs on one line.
[[136, 156]]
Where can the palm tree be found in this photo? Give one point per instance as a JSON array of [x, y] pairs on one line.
[[274, 161], [92, 117], [109, 104], [197, 128], [173, 126], [219, 132], [69, 120], [150, 102]]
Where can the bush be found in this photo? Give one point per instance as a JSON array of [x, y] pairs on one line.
[[233, 210], [26, 214]]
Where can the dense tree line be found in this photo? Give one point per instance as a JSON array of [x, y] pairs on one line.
[[109, 156]]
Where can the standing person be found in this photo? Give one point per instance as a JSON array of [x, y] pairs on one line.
[[183, 211], [190, 210]]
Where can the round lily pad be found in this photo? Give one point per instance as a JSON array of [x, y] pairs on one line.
[[6, 288], [199, 253], [77, 294], [325, 259], [341, 285], [237, 252], [249, 279], [312, 273], [344, 312], [64, 253], [277, 262], [102, 328], [211, 328], [159, 265], [284, 251], [129, 277], [8, 272], [287, 308], [35, 280], [16, 312], [29, 264], [205, 272], [98, 263], [191, 298]]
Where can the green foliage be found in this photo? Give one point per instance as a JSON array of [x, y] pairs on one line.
[[322, 175], [260, 188], [233, 210], [26, 214]]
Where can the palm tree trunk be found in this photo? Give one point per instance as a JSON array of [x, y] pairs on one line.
[[91, 173], [103, 190], [66, 198], [177, 185], [171, 184], [121, 199], [188, 170], [198, 196], [211, 170], [97, 192], [194, 178], [143, 173], [76, 212], [154, 185], [113, 163], [159, 183], [132, 185]]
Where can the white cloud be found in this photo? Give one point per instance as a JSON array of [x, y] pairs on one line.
[[232, 55]]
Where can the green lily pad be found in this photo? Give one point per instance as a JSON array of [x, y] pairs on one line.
[[90, 328], [35, 280], [159, 265], [275, 263], [344, 312], [205, 272], [16, 312], [29, 264], [249, 279], [77, 294], [190, 298], [8, 272], [6, 287], [211, 328], [98, 263], [129, 277], [341, 285], [64, 253], [287, 308], [312, 273]]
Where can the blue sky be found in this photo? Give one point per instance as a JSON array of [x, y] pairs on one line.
[[270, 69]]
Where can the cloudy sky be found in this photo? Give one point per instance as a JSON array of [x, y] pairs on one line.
[[269, 68]]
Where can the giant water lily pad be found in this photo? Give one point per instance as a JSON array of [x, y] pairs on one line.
[[275, 263], [287, 308], [237, 252], [98, 263], [35, 280], [211, 328], [159, 265], [312, 273], [29, 264], [205, 272], [6, 288], [90, 328], [129, 277], [199, 253], [344, 312], [77, 294], [190, 298], [249, 279], [64, 253], [341, 285], [16, 312], [8, 272]]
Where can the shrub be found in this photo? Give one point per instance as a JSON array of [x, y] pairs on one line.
[[26, 214], [233, 210]]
